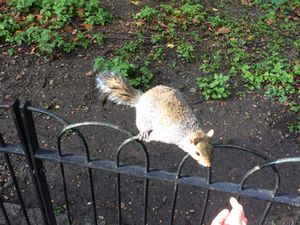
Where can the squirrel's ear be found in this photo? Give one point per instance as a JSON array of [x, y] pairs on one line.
[[210, 133]]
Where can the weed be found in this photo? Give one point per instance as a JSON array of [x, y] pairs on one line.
[[126, 70], [146, 13], [11, 51], [253, 81], [155, 55], [128, 48], [186, 51], [99, 38], [48, 25], [294, 106], [214, 87], [170, 22], [58, 210], [294, 128]]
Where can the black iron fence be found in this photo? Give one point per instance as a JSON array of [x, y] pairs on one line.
[[22, 115]]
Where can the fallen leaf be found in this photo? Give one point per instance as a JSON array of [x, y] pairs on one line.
[[170, 45], [39, 16], [269, 21], [80, 12], [139, 23], [90, 73], [135, 2], [19, 77], [222, 30], [87, 26], [246, 2]]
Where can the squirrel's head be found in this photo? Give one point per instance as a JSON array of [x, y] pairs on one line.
[[201, 147]]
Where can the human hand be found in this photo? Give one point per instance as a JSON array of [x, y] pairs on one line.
[[234, 217]]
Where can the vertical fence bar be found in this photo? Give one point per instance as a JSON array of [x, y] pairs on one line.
[[146, 180], [16, 184], [175, 192], [204, 208], [27, 134], [6, 219], [146, 187], [92, 195], [39, 170], [91, 183], [2, 144], [62, 170], [119, 199]]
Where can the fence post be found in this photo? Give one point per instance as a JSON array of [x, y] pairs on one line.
[[26, 130]]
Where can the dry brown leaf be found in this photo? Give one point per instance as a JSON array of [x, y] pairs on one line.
[[89, 73], [246, 2], [80, 12], [140, 23], [222, 30], [269, 21], [87, 26], [39, 16], [135, 2]]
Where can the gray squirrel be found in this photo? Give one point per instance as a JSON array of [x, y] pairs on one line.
[[162, 114]]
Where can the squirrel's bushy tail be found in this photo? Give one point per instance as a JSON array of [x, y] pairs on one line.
[[114, 88]]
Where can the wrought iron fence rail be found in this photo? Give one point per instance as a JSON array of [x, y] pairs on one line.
[[138, 171], [36, 156], [12, 149]]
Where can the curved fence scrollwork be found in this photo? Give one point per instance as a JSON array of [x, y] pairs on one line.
[[22, 115]]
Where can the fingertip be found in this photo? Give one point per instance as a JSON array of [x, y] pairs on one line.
[[221, 217], [233, 202]]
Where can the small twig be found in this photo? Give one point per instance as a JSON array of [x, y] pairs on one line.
[[44, 81], [197, 102]]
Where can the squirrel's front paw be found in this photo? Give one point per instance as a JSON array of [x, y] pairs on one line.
[[144, 136]]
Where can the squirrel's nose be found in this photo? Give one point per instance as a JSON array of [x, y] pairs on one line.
[[205, 163]]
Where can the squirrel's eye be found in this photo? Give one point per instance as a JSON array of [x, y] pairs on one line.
[[198, 153]]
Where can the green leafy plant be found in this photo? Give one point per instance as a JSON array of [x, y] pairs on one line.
[[48, 26], [253, 80], [126, 70], [186, 51], [99, 38], [146, 13], [166, 22], [128, 48], [214, 87], [294, 128]]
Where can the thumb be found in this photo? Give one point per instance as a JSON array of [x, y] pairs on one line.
[[237, 213]]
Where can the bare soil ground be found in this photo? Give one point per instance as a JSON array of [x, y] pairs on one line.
[[65, 86]]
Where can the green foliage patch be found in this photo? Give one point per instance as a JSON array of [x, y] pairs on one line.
[[214, 87], [126, 70], [49, 26], [170, 24]]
